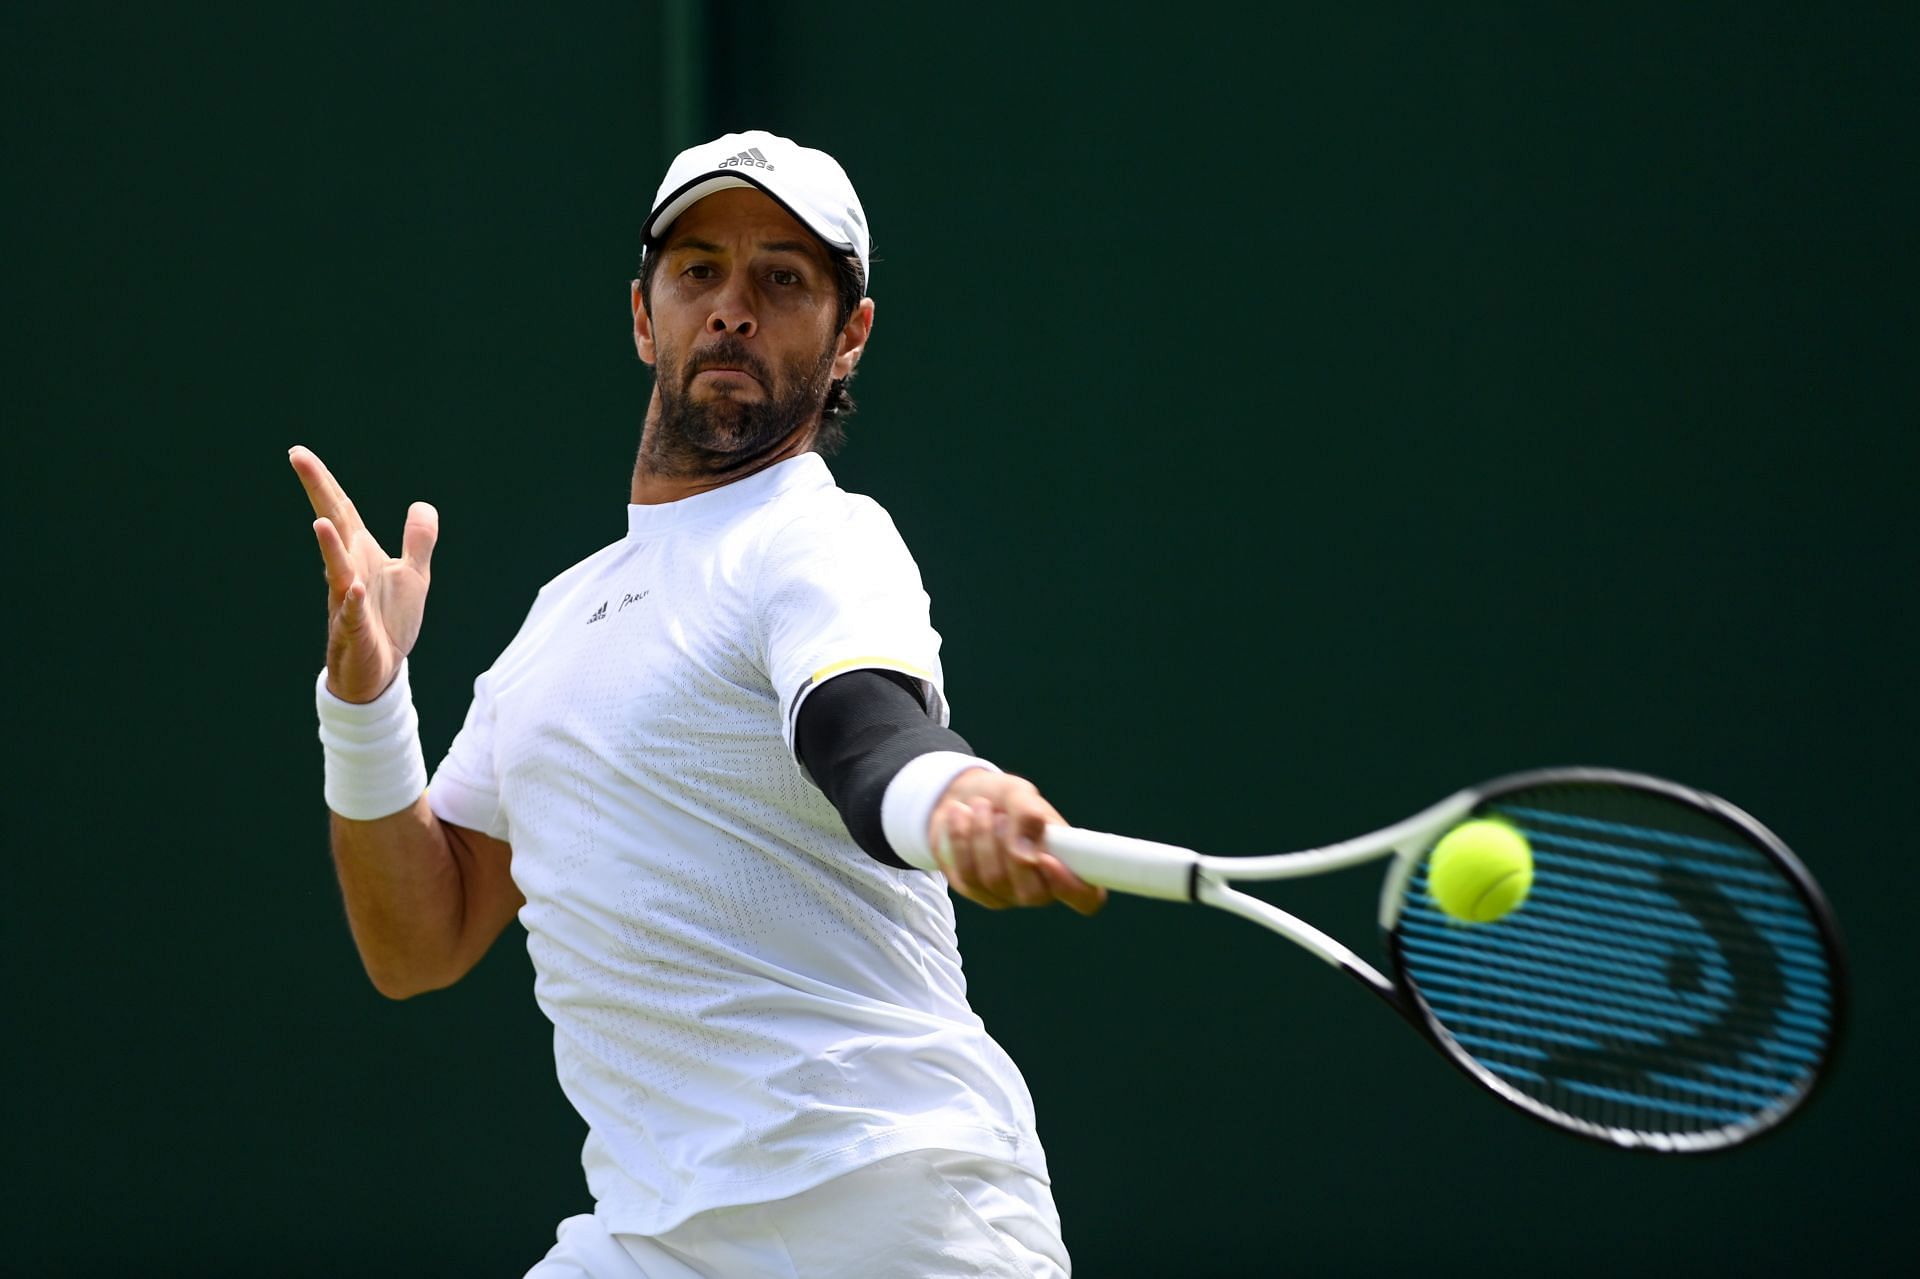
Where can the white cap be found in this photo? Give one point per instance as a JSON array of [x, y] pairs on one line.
[[809, 184]]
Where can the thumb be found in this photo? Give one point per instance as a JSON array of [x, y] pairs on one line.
[[423, 530]]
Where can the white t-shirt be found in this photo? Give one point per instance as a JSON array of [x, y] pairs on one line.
[[744, 1003]]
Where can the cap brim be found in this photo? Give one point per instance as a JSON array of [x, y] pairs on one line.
[[705, 185]]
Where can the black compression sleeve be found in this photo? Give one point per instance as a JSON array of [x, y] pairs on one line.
[[855, 732]]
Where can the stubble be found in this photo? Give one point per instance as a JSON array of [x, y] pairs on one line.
[[726, 434]]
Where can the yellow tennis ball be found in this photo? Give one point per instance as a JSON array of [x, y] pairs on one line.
[[1481, 870]]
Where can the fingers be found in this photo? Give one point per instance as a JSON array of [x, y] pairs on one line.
[[1020, 856], [323, 491], [333, 553], [1069, 888], [991, 848], [346, 589], [1062, 884], [353, 609], [1006, 871], [954, 839], [423, 530]]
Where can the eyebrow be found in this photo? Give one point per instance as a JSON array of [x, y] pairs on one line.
[[801, 247]]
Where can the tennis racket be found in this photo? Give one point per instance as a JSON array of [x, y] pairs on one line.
[[1673, 981]]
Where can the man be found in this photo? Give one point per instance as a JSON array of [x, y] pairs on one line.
[[710, 775]]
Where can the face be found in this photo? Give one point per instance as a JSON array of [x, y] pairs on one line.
[[741, 334]]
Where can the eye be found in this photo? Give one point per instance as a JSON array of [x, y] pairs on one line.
[[699, 271], [784, 277]]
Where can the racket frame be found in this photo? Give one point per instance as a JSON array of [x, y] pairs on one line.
[[1173, 873]]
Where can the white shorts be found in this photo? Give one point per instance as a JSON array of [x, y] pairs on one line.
[[925, 1214]]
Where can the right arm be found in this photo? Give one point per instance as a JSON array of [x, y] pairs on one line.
[[860, 736], [425, 898]]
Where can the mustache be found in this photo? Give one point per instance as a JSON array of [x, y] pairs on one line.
[[730, 353]]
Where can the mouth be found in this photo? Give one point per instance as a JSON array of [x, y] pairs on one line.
[[723, 375]]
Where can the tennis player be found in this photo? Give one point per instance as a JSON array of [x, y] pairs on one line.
[[698, 774]]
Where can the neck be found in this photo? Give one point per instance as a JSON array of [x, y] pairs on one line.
[[658, 479]]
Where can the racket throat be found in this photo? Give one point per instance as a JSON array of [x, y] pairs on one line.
[[1213, 892]]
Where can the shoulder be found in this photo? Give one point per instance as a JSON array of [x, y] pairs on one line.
[[831, 519], [836, 542]]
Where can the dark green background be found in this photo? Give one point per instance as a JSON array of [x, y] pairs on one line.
[[1295, 417]]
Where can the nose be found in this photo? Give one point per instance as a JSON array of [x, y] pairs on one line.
[[732, 312]]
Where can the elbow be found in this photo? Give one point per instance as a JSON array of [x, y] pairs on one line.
[[395, 990], [400, 985]]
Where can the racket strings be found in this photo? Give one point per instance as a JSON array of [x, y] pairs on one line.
[[1665, 975]]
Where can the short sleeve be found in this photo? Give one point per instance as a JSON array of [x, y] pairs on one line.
[[465, 789], [837, 591]]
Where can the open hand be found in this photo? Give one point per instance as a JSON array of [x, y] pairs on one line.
[[375, 603]]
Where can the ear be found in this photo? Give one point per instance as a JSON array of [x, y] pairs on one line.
[[853, 339], [642, 328]]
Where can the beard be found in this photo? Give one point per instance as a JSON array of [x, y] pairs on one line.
[[725, 433]]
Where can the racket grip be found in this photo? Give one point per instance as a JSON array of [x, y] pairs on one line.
[[1136, 866]]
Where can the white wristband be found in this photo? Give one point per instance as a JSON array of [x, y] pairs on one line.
[[907, 806], [374, 764]]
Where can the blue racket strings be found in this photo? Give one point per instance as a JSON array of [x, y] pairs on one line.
[[1665, 975]]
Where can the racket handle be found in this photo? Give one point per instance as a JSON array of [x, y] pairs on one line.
[[1137, 866]]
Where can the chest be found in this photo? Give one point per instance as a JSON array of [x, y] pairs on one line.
[[654, 653]]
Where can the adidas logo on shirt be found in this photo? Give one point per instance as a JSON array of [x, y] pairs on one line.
[[599, 614], [751, 158]]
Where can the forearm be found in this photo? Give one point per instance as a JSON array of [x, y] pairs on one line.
[[913, 794], [404, 886], [856, 735], [424, 898]]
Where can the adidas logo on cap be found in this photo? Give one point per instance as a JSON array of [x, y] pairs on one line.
[[751, 158]]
